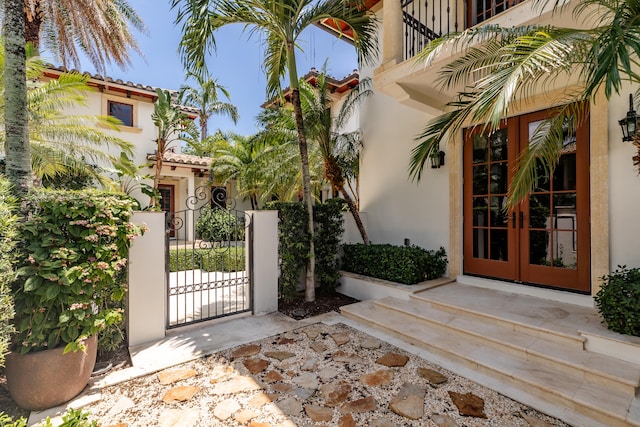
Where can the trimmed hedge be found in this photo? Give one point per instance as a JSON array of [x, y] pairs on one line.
[[618, 301], [221, 259], [8, 236], [402, 264]]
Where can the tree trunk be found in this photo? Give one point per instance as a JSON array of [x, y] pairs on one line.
[[32, 24], [156, 178], [356, 215], [17, 150], [310, 285], [204, 127]]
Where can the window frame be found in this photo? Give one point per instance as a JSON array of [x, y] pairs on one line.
[[131, 114]]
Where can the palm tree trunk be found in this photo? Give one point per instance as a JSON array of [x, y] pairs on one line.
[[310, 285], [17, 150], [354, 212], [32, 24], [204, 127], [156, 179]]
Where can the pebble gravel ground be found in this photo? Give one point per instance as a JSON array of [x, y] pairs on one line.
[[318, 375]]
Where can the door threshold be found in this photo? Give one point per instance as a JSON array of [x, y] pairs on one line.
[[517, 288]]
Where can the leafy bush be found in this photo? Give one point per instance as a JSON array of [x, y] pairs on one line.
[[402, 264], [7, 421], [8, 235], [215, 224], [74, 246], [74, 418], [293, 247], [619, 301], [214, 259]]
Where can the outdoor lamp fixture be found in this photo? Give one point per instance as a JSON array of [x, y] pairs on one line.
[[629, 124], [437, 158]]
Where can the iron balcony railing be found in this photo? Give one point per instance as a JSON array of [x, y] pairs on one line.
[[426, 20]]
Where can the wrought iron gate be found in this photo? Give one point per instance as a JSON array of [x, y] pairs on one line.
[[208, 260]]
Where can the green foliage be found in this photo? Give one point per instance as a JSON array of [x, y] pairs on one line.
[[220, 225], [74, 247], [7, 421], [329, 228], [213, 259], [402, 264], [294, 244], [8, 236], [74, 418], [619, 300]]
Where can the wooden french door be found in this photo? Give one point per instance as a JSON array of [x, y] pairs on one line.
[[545, 239]]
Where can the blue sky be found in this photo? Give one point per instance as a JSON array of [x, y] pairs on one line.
[[236, 63]]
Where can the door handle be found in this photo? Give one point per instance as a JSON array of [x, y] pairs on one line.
[[521, 220], [513, 220]]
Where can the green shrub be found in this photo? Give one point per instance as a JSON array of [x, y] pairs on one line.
[[619, 301], [8, 234], [74, 418], [402, 264], [214, 259], [215, 224], [329, 227], [74, 248], [7, 421]]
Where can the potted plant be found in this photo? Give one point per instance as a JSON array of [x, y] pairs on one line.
[[73, 249]]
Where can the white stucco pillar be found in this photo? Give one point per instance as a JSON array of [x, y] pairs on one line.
[[265, 261], [392, 33], [146, 301]]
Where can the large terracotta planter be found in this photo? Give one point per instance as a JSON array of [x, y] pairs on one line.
[[45, 379]]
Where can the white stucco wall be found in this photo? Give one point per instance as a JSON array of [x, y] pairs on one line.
[[624, 189]]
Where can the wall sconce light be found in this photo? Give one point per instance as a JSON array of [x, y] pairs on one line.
[[629, 124], [437, 158]]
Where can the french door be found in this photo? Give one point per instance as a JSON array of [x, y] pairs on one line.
[[167, 204], [545, 239]]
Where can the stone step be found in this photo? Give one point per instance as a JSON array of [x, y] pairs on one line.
[[556, 391], [565, 356]]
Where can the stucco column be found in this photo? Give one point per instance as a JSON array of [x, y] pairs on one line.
[[264, 249], [392, 33]]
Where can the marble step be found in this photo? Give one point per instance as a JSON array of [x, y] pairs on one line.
[[594, 367], [556, 391]]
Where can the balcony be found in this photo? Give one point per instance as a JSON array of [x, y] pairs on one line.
[[410, 24]]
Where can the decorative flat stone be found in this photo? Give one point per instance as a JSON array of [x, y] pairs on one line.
[[534, 422], [287, 423], [393, 360], [283, 341], [359, 406], [343, 357], [303, 393], [244, 416], [306, 380], [235, 385], [245, 351], [318, 346], [170, 377], [312, 332], [119, 425], [180, 394], [178, 418], [259, 400], [279, 355], [378, 378], [259, 424], [310, 364], [290, 406], [434, 377], [468, 404], [347, 421], [370, 343], [382, 422], [255, 365], [220, 373], [409, 402], [225, 409], [318, 413], [441, 420], [120, 406], [335, 393], [329, 373], [341, 338], [272, 377], [283, 388]]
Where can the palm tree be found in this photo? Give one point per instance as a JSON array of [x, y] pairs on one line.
[[101, 29], [172, 126], [500, 65], [204, 97], [206, 147], [337, 149], [16, 118], [281, 22]]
